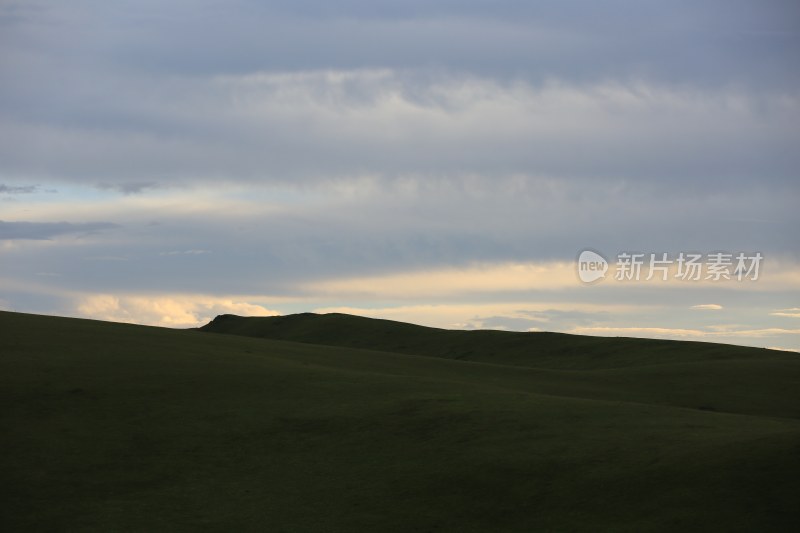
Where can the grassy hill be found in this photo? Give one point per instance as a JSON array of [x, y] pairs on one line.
[[700, 375], [533, 349], [114, 427]]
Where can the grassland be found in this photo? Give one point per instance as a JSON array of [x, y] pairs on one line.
[[335, 423]]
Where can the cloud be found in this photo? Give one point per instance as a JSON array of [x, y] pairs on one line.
[[178, 93], [513, 277], [107, 258], [49, 230], [538, 320], [685, 333], [259, 127], [793, 312], [751, 44], [503, 323], [18, 189], [571, 316], [509, 277], [129, 187], [423, 240], [186, 252], [707, 307], [177, 311]]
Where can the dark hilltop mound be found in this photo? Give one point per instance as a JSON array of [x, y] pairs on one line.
[[533, 349]]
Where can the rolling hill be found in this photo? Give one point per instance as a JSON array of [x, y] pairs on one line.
[[532, 349], [700, 375], [338, 423]]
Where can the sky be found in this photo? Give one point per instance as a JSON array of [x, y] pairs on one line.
[[438, 162]]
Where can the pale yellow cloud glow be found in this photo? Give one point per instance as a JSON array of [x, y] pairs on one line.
[[177, 311], [793, 312], [698, 334], [478, 278], [519, 277]]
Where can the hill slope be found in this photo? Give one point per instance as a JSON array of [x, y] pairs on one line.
[[119, 427], [697, 375], [533, 349]]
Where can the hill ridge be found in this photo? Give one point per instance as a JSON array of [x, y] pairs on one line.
[[111, 426], [531, 349]]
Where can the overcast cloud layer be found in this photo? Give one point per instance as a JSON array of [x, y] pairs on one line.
[[437, 162]]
